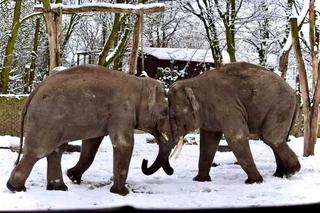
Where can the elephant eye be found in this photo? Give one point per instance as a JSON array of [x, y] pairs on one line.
[[171, 114], [164, 112]]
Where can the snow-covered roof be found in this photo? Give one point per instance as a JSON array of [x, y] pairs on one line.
[[180, 54]]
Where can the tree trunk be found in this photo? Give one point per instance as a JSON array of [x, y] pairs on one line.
[[283, 63], [119, 51], [30, 72], [111, 39], [74, 20], [313, 48], [210, 28], [310, 111], [315, 80], [8, 57], [228, 21]]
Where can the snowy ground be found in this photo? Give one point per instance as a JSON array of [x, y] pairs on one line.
[[159, 191]]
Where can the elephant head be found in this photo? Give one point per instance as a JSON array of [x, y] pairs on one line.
[[154, 116], [182, 117], [184, 113]]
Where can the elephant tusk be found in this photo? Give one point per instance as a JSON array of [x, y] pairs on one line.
[[165, 136], [177, 150]]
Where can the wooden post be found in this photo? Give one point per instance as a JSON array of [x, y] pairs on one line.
[[135, 45], [53, 21]]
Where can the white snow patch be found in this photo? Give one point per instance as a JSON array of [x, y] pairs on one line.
[[160, 191]]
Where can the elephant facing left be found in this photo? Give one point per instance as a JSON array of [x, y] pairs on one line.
[[87, 103]]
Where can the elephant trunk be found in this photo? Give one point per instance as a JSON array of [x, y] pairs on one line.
[[162, 159]]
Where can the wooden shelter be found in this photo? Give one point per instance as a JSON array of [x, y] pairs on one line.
[[53, 15], [192, 61]]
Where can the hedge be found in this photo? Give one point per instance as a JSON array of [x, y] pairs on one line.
[[11, 106], [10, 111]]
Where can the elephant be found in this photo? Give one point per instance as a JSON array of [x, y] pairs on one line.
[[88, 102], [237, 100]]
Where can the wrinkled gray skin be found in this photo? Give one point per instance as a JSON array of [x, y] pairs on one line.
[[90, 102], [238, 100]]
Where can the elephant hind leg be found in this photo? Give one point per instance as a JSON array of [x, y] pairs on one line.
[[54, 171], [89, 148], [239, 144], [20, 173], [287, 161], [275, 135]]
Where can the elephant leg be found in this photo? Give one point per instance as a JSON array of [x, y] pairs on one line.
[[280, 170], [21, 172], [122, 142], [89, 148], [275, 135], [286, 159], [209, 142], [54, 171], [239, 144]]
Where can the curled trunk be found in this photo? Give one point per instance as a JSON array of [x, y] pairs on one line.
[[162, 160]]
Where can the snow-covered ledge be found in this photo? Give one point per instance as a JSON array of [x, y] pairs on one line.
[[104, 7]]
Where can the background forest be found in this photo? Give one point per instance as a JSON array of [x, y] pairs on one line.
[[254, 31], [282, 35]]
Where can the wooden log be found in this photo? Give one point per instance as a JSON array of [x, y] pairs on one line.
[[103, 7], [135, 45], [53, 21]]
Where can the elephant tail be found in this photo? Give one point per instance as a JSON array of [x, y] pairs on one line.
[[294, 117], [23, 115]]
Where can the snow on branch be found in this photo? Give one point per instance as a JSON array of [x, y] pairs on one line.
[[300, 19], [104, 7]]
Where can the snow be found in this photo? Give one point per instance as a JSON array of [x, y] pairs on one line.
[[184, 54], [160, 191], [13, 96], [106, 5], [180, 54]]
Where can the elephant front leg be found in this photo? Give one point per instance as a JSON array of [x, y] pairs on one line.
[[89, 149], [209, 142], [122, 151], [54, 171]]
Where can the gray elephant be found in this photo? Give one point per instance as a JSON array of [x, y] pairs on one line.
[[238, 100], [90, 102]]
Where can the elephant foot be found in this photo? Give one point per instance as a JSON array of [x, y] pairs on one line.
[[73, 176], [279, 173], [121, 191], [254, 180], [214, 164], [287, 171], [202, 179], [15, 188], [53, 185]]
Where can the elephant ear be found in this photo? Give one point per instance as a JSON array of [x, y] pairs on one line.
[[152, 97], [192, 99]]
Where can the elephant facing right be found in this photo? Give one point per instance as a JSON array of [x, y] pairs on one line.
[[238, 100]]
